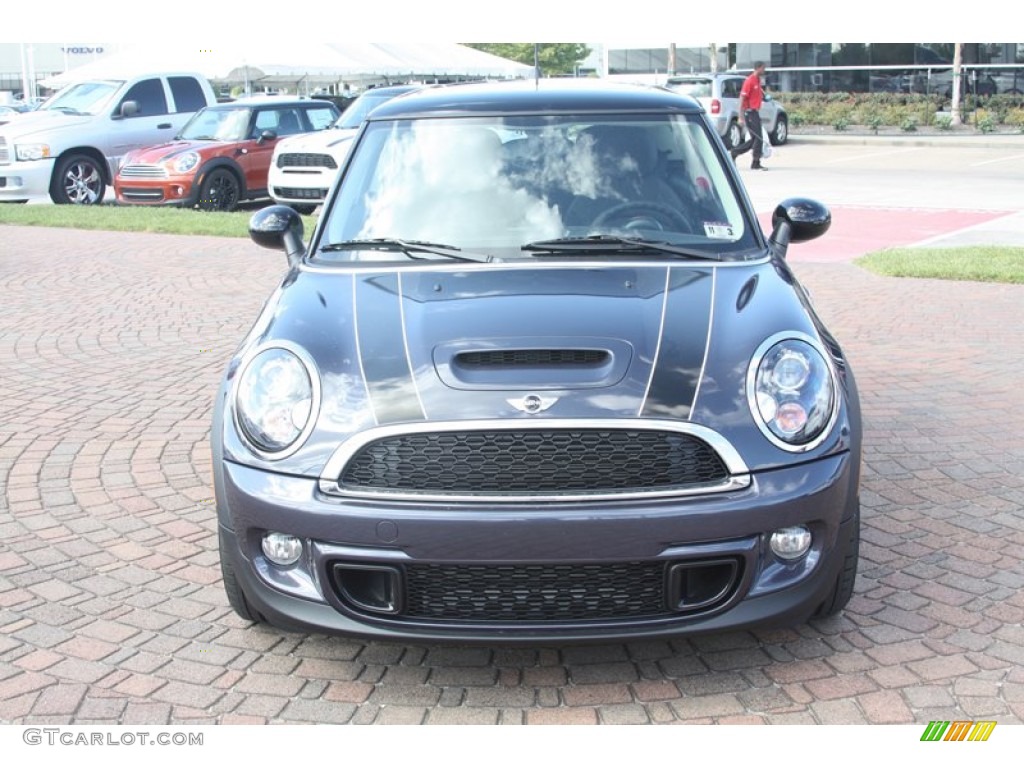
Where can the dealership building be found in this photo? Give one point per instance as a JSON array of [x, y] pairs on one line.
[[856, 67]]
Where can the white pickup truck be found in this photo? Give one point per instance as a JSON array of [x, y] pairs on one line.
[[71, 146]]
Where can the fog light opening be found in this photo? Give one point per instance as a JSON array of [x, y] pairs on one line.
[[281, 548], [790, 543]]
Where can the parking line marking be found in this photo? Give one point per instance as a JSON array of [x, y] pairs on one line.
[[997, 160]]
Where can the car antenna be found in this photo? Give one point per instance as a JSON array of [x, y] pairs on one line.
[[536, 64]]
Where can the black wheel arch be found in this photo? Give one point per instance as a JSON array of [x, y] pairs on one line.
[[218, 163]]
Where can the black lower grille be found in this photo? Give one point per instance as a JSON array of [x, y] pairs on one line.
[[300, 193], [516, 593], [533, 462]]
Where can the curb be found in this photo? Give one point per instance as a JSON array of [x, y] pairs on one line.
[[981, 141]]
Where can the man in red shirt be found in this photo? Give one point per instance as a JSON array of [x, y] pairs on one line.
[[751, 98]]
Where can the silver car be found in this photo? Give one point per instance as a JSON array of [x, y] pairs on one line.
[[719, 94]]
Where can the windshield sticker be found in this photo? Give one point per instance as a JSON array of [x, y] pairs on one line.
[[719, 231]]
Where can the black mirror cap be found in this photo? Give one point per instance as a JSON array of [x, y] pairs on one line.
[[278, 227], [806, 219]]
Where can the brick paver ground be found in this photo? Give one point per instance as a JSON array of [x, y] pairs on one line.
[[111, 609]]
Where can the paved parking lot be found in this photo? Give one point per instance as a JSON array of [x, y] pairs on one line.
[[111, 608]]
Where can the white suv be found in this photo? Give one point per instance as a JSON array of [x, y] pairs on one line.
[[719, 93], [304, 167]]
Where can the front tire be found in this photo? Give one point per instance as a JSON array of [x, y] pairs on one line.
[[220, 191], [233, 590], [733, 135], [781, 133], [843, 589], [78, 180]]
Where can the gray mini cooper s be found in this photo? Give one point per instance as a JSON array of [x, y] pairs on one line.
[[537, 375]]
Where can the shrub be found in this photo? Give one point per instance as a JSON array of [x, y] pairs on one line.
[[909, 124], [987, 123], [944, 122]]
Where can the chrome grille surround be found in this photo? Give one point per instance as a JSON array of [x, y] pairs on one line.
[[143, 171], [550, 460]]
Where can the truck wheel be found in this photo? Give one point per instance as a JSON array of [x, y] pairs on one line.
[[220, 191], [78, 180]]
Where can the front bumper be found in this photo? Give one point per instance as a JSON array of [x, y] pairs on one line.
[[304, 186], [563, 572], [25, 180], [177, 191]]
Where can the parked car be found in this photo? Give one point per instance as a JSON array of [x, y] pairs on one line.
[[538, 375], [719, 93], [70, 147], [304, 167], [222, 156]]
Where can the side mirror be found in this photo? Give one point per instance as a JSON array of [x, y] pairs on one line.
[[265, 136], [128, 109], [279, 227], [797, 220]]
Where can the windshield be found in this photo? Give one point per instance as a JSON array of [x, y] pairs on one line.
[[698, 89], [530, 186], [218, 125], [83, 98]]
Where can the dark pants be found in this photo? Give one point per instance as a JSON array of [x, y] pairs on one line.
[[752, 118]]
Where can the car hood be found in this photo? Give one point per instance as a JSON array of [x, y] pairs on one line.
[[45, 121], [318, 141], [396, 347], [160, 152]]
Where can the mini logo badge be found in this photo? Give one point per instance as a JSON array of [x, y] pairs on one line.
[[532, 403]]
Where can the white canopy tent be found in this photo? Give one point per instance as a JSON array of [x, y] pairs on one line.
[[301, 67]]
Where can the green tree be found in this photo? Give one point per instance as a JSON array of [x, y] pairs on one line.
[[554, 58]]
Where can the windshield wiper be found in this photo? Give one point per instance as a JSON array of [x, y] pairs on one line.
[[574, 246], [409, 247]]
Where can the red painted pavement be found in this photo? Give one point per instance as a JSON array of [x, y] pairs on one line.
[[856, 231]]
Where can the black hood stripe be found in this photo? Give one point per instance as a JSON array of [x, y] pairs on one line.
[[383, 349], [683, 347]]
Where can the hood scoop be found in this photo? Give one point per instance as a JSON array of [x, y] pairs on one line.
[[532, 358], [512, 364]]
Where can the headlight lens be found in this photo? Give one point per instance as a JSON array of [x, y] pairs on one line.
[[186, 162], [792, 393], [275, 399], [31, 151]]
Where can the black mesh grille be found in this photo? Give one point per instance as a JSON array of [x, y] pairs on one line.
[[532, 357], [306, 160], [300, 193], [497, 593], [533, 462]]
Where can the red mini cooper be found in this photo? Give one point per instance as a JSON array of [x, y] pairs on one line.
[[222, 155]]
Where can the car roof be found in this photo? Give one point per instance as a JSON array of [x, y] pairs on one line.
[[552, 96]]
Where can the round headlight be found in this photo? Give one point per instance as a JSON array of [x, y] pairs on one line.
[[791, 393], [186, 162], [275, 399]]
